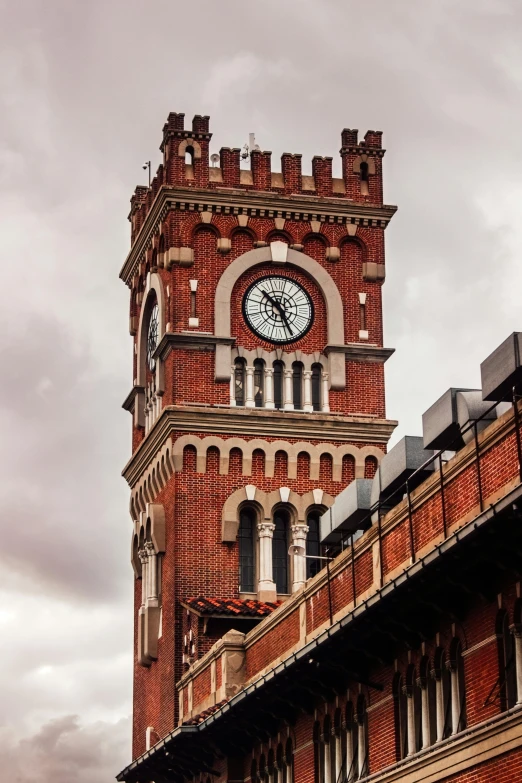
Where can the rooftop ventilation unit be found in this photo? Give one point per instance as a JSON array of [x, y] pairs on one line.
[[502, 370], [348, 512], [399, 465], [442, 424]]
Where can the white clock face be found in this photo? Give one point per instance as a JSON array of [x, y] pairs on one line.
[[152, 337], [278, 309]]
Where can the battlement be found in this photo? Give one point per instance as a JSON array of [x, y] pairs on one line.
[[186, 163]]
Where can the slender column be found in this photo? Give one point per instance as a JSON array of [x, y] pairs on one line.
[[325, 381], [269, 388], [410, 720], [233, 385], [455, 699], [299, 533], [153, 572], [517, 633], [361, 748], [142, 554], [249, 398], [439, 703], [307, 383], [338, 757], [350, 761], [266, 582], [288, 396], [425, 704], [327, 763]]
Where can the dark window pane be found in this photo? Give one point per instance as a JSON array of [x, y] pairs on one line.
[[297, 376], [278, 384], [313, 547], [239, 382], [316, 387], [280, 552], [258, 382], [246, 551]]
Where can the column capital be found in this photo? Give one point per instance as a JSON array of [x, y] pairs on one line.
[[300, 529], [265, 529], [269, 370]]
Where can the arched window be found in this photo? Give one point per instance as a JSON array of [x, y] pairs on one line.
[[351, 743], [364, 178], [246, 538], [259, 382], [262, 768], [316, 386], [278, 384], [239, 381], [457, 687], [506, 663], [401, 717], [313, 546], [270, 767], [362, 737], [189, 156], [318, 765], [297, 385], [280, 764], [280, 551]]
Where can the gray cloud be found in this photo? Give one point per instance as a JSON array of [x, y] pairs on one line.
[[83, 95]]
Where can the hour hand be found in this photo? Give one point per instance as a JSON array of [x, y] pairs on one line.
[[279, 309]]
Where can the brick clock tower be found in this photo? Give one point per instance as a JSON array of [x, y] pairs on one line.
[[258, 391]]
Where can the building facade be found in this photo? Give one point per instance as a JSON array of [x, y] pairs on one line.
[[258, 397]]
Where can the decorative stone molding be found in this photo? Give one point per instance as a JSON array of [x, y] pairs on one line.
[[148, 541], [369, 159], [184, 256], [265, 502], [270, 449], [372, 271], [329, 290], [189, 142], [152, 481], [224, 245], [333, 254]]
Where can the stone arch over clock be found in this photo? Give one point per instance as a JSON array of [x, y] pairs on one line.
[[149, 382], [279, 255]]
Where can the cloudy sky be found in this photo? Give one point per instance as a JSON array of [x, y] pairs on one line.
[[84, 91]]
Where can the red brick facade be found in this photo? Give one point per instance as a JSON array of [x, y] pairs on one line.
[[199, 457]]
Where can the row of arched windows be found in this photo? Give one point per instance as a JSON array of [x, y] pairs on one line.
[[279, 387], [250, 555], [341, 748], [275, 767]]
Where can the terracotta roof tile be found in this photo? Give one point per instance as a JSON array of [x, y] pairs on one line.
[[232, 607], [205, 714]]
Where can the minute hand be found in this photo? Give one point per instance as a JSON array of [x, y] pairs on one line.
[[278, 307]]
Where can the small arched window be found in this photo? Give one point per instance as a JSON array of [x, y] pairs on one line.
[[313, 546], [401, 718], [297, 382], [278, 384], [280, 550], [365, 178], [189, 159], [239, 381], [506, 663], [316, 386], [246, 538], [259, 382]]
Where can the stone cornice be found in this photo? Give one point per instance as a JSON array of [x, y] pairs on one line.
[[255, 423], [129, 401], [193, 340], [362, 352], [252, 202]]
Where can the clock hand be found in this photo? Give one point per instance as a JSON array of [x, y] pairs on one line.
[[278, 307]]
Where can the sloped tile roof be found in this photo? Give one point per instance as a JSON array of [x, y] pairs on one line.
[[205, 714], [231, 607]]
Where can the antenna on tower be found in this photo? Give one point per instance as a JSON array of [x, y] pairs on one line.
[[248, 148], [214, 158], [146, 165]]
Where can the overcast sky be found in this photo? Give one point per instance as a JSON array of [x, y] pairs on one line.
[[85, 88]]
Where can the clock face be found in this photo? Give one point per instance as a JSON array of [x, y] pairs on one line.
[[152, 337], [278, 309]]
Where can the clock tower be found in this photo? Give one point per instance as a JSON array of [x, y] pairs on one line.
[[258, 387]]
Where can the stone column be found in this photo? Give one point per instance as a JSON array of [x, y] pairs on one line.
[[269, 388], [439, 703], [325, 381], [350, 761], [425, 706], [455, 697], [299, 533], [338, 757], [327, 778], [153, 573], [233, 385], [410, 719], [288, 395], [266, 588], [361, 749], [517, 633], [249, 395], [144, 559], [307, 398]]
